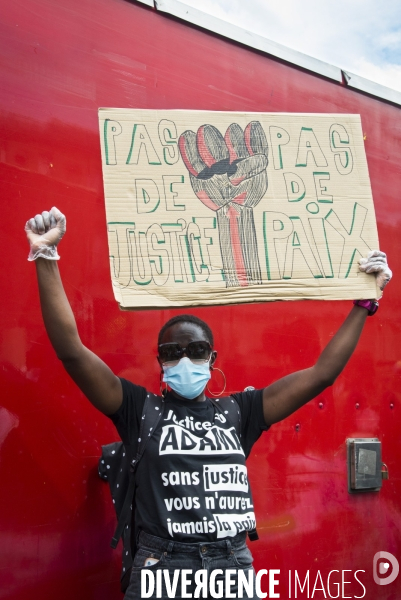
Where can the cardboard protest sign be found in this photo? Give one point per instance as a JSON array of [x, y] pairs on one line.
[[209, 208]]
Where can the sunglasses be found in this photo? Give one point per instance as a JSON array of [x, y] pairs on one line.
[[195, 351]]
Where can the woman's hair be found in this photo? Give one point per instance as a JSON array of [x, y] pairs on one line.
[[187, 319]]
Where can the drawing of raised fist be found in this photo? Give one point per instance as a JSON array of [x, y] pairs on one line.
[[228, 174]]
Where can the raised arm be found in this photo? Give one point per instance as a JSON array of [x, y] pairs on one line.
[[288, 394], [90, 373]]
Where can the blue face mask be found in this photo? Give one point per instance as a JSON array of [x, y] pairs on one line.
[[186, 378]]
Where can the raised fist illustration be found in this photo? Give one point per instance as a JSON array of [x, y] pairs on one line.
[[229, 176]]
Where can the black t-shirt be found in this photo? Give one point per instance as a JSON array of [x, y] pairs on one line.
[[191, 484]]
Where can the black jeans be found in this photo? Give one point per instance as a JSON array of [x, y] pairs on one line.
[[171, 558]]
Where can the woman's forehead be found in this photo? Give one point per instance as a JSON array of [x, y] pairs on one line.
[[188, 332]]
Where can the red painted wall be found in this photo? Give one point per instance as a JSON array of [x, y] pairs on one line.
[[61, 61]]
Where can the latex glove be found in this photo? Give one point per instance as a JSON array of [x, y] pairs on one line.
[[376, 262], [44, 232]]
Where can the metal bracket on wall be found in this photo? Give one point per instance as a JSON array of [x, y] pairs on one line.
[[364, 462]]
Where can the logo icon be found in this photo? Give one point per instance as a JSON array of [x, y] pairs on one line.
[[385, 563]]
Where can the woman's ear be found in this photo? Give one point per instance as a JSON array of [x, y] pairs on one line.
[[213, 357]]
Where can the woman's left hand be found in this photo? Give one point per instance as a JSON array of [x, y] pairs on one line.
[[376, 262]]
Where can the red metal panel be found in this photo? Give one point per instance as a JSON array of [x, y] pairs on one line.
[[60, 62]]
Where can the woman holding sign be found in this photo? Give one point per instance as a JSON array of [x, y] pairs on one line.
[[193, 503]]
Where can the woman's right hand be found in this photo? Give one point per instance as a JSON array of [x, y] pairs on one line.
[[44, 232], [90, 373]]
